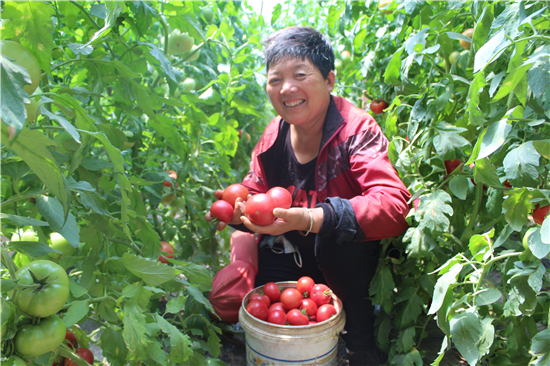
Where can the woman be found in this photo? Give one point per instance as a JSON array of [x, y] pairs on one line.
[[332, 157]]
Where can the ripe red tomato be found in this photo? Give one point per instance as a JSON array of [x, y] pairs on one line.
[[222, 210], [166, 248], [539, 213], [325, 312], [278, 306], [232, 192], [85, 353], [311, 322], [309, 306], [451, 165], [282, 197], [291, 298], [304, 285], [172, 174], [259, 209], [258, 309], [260, 297], [271, 289], [71, 338], [321, 294], [277, 317], [296, 317], [378, 106], [507, 184]]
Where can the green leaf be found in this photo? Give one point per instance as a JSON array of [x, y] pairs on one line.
[[245, 107], [165, 126], [466, 331], [136, 336], [510, 82], [214, 343], [381, 288], [478, 245], [459, 186], [543, 148], [475, 113], [520, 165], [176, 304], [538, 247], [95, 202], [486, 173], [538, 77], [513, 302], [420, 243], [433, 211], [113, 347], [180, 344], [535, 280], [51, 209], [33, 22], [32, 248], [14, 97], [405, 340], [154, 273], [64, 123], [494, 138], [8, 285], [541, 342], [488, 336], [76, 312], [164, 62], [409, 312], [114, 8], [441, 287], [197, 275], [22, 220], [448, 144], [516, 208], [393, 71], [276, 13], [490, 50], [415, 39], [198, 296], [488, 296], [383, 329]]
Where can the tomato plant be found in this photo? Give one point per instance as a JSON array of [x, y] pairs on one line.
[[258, 309], [272, 290], [52, 291], [321, 294], [325, 312], [282, 197], [296, 317], [259, 209], [33, 340], [277, 317], [167, 252], [539, 213], [222, 210], [234, 191], [291, 298], [304, 285], [378, 106], [71, 338]]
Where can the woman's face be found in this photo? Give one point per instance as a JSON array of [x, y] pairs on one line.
[[298, 91]]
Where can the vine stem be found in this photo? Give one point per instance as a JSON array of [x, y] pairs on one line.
[[466, 235]]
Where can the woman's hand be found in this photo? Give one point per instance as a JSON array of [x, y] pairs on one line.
[[295, 218], [237, 213]]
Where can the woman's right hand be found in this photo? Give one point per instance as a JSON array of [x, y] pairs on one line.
[[238, 211]]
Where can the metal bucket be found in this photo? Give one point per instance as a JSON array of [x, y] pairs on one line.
[[273, 344]]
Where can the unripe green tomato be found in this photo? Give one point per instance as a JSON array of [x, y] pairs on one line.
[[7, 314], [23, 57], [453, 56], [208, 14], [180, 43], [61, 244], [28, 235], [189, 84], [194, 56], [35, 340], [21, 260], [338, 65], [128, 144]]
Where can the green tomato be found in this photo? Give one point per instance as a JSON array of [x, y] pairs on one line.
[[453, 56], [180, 43], [21, 56], [61, 244], [208, 14], [194, 56], [28, 235], [34, 340], [52, 294], [338, 65], [7, 314], [189, 84], [21, 260], [15, 361]]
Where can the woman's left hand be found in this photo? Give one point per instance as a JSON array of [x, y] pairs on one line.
[[295, 218]]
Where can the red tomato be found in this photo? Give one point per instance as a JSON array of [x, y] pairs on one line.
[[539, 213], [291, 298], [304, 285], [166, 248], [85, 353], [258, 309], [378, 106], [260, 297], [259, 209], [321, 294], [172, 174], [222, 210], [507, 184], [325, 312], [278, 306], [311, 322], [451, 165], [271, 289], [282, 197], [309, 306], [277, 317], [234, 191], [296, 317], [71, 338]]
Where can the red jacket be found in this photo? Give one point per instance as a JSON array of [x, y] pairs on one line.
[[353, 173]]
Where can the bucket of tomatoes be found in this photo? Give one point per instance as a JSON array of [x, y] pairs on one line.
[[294, 323]]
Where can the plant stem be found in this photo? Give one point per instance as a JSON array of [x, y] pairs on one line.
[[467, 234]]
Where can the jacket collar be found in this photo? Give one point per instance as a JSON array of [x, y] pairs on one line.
[[333, 120]]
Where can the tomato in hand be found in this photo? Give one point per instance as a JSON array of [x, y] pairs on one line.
[[291, 298], [321, 294], [234, 191], [277, 317], [451, 165], [296, 317], [258, 309], [259, 209], [271, 289], [222, 210], [278, 306], [282, 197], [85, 354], [325, 312], [309, 306], [378, 106], [52, 294], [166, 248], [304, 285], [33, 340], [539, 213], [261, 297]]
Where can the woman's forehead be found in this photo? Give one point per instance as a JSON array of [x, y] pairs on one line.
[[289, 62]]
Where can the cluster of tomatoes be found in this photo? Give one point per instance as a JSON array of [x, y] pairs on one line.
[[306, 304], [84, 353], [259, 207]]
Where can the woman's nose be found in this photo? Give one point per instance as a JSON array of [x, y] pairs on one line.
[[288, 87]]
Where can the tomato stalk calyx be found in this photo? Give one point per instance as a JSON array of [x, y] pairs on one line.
[[41, 283]]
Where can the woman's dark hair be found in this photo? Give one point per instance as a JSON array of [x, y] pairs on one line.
[[299, 42]]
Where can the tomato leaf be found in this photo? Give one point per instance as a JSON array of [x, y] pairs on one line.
[[76, 312], [488, 296], [22, 220], [420, 242], [180, 343], [152, 272], [490, 50], [176, 304], [516, 208], [494, 138], [198, 296], [541, 343], [405, 340], [433, 211], [381, 288], [442, 286], [536, 244], [466, 332], [520, 165], [32, 248]]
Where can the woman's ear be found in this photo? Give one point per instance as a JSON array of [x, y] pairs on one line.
[[331, 79]]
